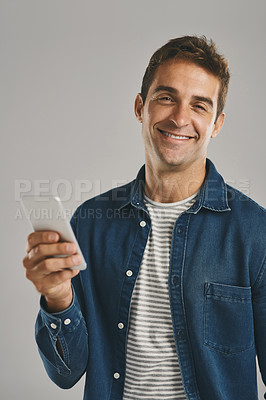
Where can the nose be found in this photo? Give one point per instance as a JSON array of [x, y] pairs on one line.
[[180, 115]]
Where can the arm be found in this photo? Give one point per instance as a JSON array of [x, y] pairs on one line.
[[64, 363], [60, 328], [259, 311]]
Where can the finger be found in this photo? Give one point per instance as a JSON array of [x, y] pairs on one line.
[[42, 251], [50, 284], [51, 265], [41, 237]]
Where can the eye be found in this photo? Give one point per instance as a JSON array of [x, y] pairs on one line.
[[165, 99], [200, 107]]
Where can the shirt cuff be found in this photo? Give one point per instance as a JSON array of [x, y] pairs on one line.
[[63, 322]]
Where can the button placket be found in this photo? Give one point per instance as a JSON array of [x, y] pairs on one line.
[[177, 265], [180, 230], [175, 280], [130, 275], [181, 334]]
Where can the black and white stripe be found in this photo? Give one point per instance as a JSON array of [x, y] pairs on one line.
[[152, 368]]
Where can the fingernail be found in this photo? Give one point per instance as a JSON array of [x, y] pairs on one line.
[[52, 236], [76, 259], [69, 247]]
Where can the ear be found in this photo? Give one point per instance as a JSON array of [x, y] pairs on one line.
[[218, 125], [138, 107]]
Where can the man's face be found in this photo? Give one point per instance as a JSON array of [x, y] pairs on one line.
[[178, 117]]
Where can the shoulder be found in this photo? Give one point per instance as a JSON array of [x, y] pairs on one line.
[[239, 199], [99, 211], [113, 198], [246, 211]]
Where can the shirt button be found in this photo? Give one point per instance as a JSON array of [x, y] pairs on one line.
[[191, 388], [142, 224], [181, 334], [116, 375], [53, 325], [120, 325], [67, 321], [175, 280], [180, 230], [129, 272]]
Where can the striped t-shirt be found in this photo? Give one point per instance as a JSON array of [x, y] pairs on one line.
[[152, 368]]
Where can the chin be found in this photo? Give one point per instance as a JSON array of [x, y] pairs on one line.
[[172, 163]]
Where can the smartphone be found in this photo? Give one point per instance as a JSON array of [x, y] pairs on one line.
[[46, 213]]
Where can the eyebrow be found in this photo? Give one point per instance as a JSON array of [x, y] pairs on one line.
[[206, 100], [162, 88], [170, 89]]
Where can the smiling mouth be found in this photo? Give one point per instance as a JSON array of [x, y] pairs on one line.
[[177, 137]]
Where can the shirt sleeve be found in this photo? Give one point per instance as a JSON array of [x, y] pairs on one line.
[[259, 310], [70, 329]]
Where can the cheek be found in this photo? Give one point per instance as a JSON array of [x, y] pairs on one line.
[[155, 113], [146, 131], [203, 127]]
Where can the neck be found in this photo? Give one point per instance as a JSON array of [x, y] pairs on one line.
[[169, 186]]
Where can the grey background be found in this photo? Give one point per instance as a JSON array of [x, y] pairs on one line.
[[70, 71]]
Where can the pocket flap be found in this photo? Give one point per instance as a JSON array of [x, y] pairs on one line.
[[228, 292]]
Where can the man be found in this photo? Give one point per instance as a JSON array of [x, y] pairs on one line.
[[172, 304]]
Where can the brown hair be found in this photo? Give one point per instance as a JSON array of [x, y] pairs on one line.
[[196, 50]]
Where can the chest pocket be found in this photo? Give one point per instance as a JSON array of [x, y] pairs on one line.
[[228, 318]]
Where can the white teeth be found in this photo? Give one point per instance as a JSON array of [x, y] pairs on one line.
[[174, 136]]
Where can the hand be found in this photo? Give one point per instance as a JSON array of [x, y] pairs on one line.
[[51, 275]]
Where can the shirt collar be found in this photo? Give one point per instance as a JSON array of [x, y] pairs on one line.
[[212, 195], [213, 192]]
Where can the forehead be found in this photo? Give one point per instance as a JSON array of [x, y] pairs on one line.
[[185, 76]]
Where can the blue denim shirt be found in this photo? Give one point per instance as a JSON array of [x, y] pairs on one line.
[[217, 290]]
